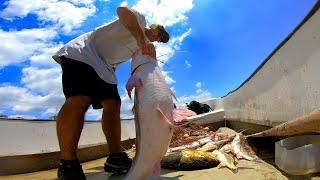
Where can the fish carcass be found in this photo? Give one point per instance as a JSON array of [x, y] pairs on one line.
[[190, 160], [153, 108], [240, 148]]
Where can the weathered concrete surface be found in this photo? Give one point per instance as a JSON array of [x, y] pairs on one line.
[[287, 85], [247, 170]]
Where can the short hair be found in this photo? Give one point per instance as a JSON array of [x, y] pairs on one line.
[[164, 35]]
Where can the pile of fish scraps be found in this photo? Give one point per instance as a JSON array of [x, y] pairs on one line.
[[195, 147]]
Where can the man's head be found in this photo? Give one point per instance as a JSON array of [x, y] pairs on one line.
[[156, 32]]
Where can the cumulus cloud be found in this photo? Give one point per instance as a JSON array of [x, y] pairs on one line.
[[42, 92], [165, 12], [177, 41], [43, 57], [17, 46], [94, 114], [167, 77], [198, 85], [166, 51], [22, 116], [64, 15], [187, 64], [126, 106], [200, 97], [124, 4], [20, 99], [42, 80]]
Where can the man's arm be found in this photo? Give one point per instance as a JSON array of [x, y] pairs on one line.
[[129, 20]]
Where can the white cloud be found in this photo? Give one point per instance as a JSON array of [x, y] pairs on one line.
[[42, 92], [199, 91], [165, 12], [124, 4], [198, 85], [22, 100], [43, 58], [168, 79], [166, 51], [66, 15], [200, 97], [177, 41], [45, 80], [79, 2], [21, 116], [94, 114], [126, 105], [17, 46], [188, 64]]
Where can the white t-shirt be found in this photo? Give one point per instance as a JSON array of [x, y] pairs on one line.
[[104, 48]]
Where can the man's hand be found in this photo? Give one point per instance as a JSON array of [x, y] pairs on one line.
[[149, 49], [133, 82]]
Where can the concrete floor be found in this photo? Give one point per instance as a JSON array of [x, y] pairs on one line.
[[247, 170]]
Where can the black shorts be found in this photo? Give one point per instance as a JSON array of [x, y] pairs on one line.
[[80, 79]]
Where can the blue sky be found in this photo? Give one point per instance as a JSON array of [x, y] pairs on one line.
[[215, 45]]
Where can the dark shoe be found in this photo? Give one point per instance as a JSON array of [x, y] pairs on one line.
[[70, 170], [117, 163]]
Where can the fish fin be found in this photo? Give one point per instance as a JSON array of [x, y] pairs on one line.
[[162, 116]]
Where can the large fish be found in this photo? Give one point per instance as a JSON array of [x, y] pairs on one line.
[[153, 107], [190, 160]]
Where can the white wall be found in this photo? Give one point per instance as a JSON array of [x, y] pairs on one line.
[[287, 85], [19, 137]]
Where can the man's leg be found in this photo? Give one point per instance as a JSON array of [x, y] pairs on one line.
[[69, 125], [117, 161], [111, 124]]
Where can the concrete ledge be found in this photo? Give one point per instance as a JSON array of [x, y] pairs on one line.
[[208, 118], [37, 162]]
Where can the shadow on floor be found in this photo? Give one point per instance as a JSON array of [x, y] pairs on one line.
[[265, 148], [99, 174]]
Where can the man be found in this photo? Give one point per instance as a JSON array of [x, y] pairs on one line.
[[88, 64]]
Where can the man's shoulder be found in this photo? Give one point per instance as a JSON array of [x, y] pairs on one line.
[[82, 37]]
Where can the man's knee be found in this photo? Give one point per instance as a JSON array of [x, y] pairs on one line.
[[112, 105], [80, 103]]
